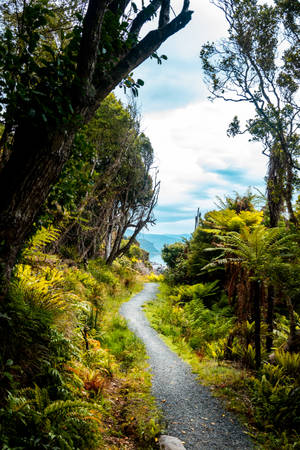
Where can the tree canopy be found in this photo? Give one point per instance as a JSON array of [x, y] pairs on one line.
[[58, 62], [258, 63]]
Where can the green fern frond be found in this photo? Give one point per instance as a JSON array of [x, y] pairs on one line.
[[42, 237], [41, 397], [60, 407], [255, 248]]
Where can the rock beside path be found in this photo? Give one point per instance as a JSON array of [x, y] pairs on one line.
[[170, 443]]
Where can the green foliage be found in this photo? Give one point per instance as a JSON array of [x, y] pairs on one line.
[[256, 250], [230, 220], [57, 387], [43, 289], [277, 401], [289, 363], [173, 253], [102, 273], [181, 312], [154, 278], [174, 256], [96, 150], [37, 243], [107, 177], [198, 257], [34, 421], [196, 321], [123, 344]]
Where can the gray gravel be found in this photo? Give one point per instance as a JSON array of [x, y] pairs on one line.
[[191, 413]]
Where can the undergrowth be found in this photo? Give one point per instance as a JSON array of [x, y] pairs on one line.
[[72, 375], [267, 402]]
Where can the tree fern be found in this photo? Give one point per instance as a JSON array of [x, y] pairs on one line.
[[255, 249], [256, 252]]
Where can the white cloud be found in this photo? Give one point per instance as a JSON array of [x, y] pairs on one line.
[[197, 161], [191, 146], [176, 227]]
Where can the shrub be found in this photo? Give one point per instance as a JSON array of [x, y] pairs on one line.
[[155, 278], [276, 400], [290, 363], [34, 421]]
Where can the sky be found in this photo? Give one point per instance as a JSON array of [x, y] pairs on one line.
[[196, 160]]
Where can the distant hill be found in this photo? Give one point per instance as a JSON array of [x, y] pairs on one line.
[[153, 243]]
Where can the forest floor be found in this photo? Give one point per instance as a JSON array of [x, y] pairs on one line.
[[191, 413]]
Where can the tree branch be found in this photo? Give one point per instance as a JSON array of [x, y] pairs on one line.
[[149, 44], [164, 17], [144, 15], [89, 44], [118, 6]]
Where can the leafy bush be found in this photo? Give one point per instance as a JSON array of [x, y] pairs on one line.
[[181, 312], [34, 421], [245, 354], [289, 363], [102, 273], [277, 401], [155, 278], [49, 381], [123, 344]]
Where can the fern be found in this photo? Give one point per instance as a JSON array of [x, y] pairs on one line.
[[63, 407], [42, 237], [41, 288], [289, 362]]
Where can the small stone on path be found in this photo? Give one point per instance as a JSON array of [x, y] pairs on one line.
[[170, 443]]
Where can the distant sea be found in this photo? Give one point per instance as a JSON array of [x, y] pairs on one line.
[[157, 259], [154, 243]]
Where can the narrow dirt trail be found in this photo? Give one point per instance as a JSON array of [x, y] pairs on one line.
[[191, 413]]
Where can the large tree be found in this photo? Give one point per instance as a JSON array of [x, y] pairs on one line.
[[57, 65], [106, 186], [259, 63]]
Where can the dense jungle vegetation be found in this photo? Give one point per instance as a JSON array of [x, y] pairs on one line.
[[77, 185], [72, 374], [229, 304], [230, 298], [75, 175]]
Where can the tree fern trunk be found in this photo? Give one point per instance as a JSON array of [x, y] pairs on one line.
[[270, 302], [255, 289], [292, 336]]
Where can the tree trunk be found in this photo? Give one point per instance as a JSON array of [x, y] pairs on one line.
[[275, 187], [255, 289], [34, 166], [292, 336], [39, 151], [270, 303]]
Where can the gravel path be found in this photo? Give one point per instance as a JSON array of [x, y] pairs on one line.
[[192, 414]]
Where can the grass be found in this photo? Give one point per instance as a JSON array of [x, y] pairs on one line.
[[134, 420], [229, 381], [224, 380]]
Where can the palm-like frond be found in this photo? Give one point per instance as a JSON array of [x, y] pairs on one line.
[[256, 249]]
